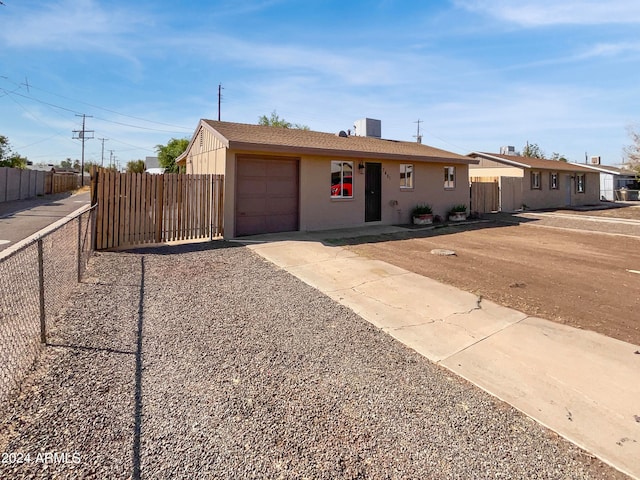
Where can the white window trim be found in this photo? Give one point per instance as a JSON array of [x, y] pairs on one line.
[[342, 176], [583, 183], [412, 177], [557, 186], [450, 184], [536, 185]]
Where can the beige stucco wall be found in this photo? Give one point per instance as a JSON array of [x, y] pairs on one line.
[[318, 211], [566, 193], [475, 171]]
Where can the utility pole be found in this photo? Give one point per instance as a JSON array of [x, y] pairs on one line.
[[220, 87], [102, 157], [418, 137], [110, 158], [82, 135]]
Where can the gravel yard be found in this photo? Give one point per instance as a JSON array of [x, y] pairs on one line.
[[205, 361]]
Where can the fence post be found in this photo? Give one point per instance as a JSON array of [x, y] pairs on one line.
[[43, 331], [79, 247]]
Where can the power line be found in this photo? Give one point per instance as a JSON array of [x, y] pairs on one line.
[[92, 105], [220, 87], [102, 156], [82, 135], [418, 137]]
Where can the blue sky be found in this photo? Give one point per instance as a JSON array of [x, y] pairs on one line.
[[478, 73]]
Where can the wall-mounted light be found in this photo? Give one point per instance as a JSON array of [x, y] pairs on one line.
[[361, 167]]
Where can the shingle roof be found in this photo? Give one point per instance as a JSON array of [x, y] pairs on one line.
[[528, 162], [243, 136], [610, 169]]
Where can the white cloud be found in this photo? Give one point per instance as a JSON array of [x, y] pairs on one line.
[[610, 49], [72, 25], [533, 13]]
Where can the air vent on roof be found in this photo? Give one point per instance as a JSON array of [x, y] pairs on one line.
[[595, 160], [368, 127], [508, 150], [342, 133]]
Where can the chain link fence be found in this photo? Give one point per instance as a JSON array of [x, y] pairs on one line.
[[36, 281]]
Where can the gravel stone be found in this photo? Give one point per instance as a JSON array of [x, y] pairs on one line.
[[243, 371]]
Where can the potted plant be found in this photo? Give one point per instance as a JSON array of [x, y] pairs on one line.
[[458, 213], [422, 214]]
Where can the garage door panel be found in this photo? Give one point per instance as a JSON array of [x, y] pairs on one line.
[[252, 168], [251, 223], [280, 223], [266, 195], [284, 168], [282, 187], [280, 206], [250, 206], [252, 186]]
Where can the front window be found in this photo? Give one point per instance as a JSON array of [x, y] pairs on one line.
[[449, 177], [553, 181], [535, 181], [341, 179], [580, 183], [406, 176]]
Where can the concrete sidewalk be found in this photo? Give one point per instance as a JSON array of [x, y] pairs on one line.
[[582, 385], [22, 218]]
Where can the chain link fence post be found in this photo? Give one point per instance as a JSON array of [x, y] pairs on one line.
[[43, 330]]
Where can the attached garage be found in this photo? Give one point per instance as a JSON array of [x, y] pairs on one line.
[[267, 194]]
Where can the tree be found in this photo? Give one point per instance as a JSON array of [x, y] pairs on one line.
[[136, 166], [558, 158], [89, 164], [66, 164], [632, 152], [275, 121], [532, 150], [9, 158], [168, 153]]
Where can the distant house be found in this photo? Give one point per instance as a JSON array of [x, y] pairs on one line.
[[280, 179], [612, 179], [534, 183], [151, 162]]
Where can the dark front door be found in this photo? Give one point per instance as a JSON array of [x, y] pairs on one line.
[[373, 192]]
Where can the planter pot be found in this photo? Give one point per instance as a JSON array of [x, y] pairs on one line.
[[457, 216], [424, 219]]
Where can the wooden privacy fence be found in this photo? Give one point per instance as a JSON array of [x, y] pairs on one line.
[[511, 193], [138, 208], [485, 194], [61, 182]]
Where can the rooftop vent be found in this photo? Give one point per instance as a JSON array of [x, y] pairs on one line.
[[595, 160], [508, 150], [342, 133], [368, 127]]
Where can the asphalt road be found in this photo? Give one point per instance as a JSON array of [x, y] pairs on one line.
[[20, 219]]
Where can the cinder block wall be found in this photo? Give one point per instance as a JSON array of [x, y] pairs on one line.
[[19, 184]]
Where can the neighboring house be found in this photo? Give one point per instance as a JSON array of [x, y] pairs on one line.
[[534, 183], [280, 179], [151, 162], [612, 179]]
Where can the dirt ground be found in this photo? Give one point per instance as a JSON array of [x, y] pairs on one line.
[[574, 277], [619, 210]]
